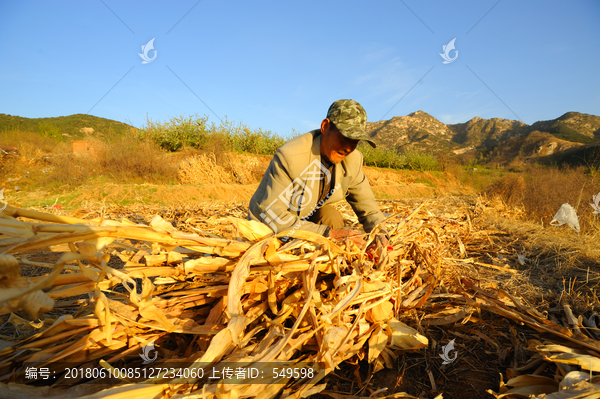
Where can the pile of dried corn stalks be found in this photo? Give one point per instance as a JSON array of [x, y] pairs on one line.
[[252, 299]]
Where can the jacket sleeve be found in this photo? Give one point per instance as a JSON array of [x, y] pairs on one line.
[[361, 199], [269, 207]]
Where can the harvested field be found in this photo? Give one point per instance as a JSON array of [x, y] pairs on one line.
[[461, 304]]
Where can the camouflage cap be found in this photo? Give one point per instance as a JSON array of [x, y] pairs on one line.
[[350, 118]]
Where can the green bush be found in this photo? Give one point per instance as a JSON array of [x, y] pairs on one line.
[[420, 161], [195, 132], [50, 131], [257, 142], [177, 133], [385, 158]]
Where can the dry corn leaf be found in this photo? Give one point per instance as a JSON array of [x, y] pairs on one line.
[[525, 385], [581, 390], [22, 324], [404, 337], [9, 270], [399, 395], [572, 378], [208, 264], [251, 230], [377, 343], [36, 303], [16, 228], [159, 224], [380, 312], [164, 257], [587, 362]]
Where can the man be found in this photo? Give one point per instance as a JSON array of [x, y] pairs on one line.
[[312, 171]]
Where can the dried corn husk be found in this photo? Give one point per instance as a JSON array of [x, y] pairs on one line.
[[235, 293]]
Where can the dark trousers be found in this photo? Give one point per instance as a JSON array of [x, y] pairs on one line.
[[328, 216]]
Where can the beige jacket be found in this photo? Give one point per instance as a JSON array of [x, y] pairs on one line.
[[289, 190]]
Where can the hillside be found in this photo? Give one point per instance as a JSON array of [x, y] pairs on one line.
[[500, 140], [479, 132], [588, 154], [71, 126], [495, 140], [415, 130], [572, 126], [535, 145]]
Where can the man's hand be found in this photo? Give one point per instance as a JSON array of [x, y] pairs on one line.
[[382, 238], [380, 242], [352, 235]]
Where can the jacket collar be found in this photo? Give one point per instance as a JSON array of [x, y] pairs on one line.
[[315, 151]]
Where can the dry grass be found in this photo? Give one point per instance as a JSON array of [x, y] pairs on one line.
[[220, 167], [479, 178], [69, 169], [541, 191], [28, 144], [562, 265], [124, 158], [127, 158], [202, 168]]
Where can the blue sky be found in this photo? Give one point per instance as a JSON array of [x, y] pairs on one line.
[[278, 65]]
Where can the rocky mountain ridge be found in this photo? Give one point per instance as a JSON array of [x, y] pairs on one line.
[[502, 137]]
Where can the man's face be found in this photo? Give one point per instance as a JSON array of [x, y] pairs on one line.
[[334, 145]]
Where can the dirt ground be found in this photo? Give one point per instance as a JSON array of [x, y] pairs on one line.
[[23, 178]]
